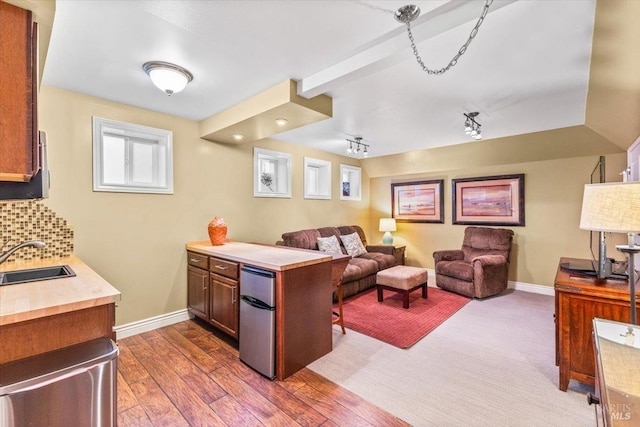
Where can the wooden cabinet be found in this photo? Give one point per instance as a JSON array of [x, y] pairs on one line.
[[224, 304], [580, 299], [224, 295], [44, 334], [213, 290], [19, 159], [303, 289], [198, 291]]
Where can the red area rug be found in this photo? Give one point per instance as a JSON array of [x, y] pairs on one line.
[[387, 321]]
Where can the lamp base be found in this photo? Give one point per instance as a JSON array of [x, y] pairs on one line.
[[387, 239], [631, 250]]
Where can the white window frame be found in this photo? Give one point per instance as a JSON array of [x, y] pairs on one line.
[[353, 176], [158, 138], [317, 179], [279, 166]]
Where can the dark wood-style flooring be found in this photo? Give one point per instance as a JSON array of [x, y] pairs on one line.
[[187, 375]]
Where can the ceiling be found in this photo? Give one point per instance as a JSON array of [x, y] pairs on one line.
[[526, 71]]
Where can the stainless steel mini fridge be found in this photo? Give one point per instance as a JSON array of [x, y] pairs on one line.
[[257, 339], [74, 386]]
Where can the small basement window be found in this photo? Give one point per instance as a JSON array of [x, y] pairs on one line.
[[131, 158]]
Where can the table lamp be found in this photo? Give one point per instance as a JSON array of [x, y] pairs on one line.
[[615, 208], [387, 225]]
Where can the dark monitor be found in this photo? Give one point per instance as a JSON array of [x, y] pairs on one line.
[[599, 265]]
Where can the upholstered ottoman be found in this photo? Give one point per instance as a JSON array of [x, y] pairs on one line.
[[403, 279]]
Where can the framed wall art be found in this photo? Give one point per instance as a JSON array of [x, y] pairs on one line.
[[419, 201], [271, 173], [490, 200]]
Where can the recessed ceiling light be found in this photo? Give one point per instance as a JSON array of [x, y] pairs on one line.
[[238, 137], [281, 122]]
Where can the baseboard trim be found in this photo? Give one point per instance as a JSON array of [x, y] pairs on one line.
[[146, 325], [530, 287], [518, 286]]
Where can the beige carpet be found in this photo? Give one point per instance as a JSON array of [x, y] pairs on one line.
[[491, 364]]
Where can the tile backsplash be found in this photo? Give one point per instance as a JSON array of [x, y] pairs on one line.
[[32, 220]]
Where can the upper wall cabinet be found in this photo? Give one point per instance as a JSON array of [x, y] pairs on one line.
[[19, 160]]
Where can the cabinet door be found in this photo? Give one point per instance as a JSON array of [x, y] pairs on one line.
[[18, 122], [198, 292], [224, 304], [583, 310]]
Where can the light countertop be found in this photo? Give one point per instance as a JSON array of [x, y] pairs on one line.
[[269, 257], [32, 300]]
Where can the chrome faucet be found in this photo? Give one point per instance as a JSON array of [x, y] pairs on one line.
[[35, 243]]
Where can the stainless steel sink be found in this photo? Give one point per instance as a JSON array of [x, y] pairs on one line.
[[35, 274]]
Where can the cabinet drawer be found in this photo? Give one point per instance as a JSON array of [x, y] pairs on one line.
[[224, 267], [197, 260]]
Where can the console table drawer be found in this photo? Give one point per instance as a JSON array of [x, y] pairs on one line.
[[224, 267], [197, 260]]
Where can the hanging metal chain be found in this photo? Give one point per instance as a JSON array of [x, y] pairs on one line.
[[462, 50]]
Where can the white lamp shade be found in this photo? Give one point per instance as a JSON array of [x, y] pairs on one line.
[[168, 80], [611, 207], [167, 77], [387, 224]]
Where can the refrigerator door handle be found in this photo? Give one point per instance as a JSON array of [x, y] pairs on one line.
[[254, 302]]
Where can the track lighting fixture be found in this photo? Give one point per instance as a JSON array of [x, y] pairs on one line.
[[359, 147], [471, 126]]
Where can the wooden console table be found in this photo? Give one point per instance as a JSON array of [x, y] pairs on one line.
[[580, 299]]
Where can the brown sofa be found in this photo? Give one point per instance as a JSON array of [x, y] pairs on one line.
[[360, 274], [480, 269]]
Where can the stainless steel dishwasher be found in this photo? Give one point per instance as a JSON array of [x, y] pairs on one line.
[[257, 339], [73, 386]]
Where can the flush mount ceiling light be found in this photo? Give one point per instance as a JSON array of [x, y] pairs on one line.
[[407, 14], [471, 126], [359, 146], [169, 78], [281, 122]]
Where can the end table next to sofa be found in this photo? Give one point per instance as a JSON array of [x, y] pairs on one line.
[[398, 252]]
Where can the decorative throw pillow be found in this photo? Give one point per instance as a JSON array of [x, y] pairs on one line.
[[353, 244], [329, 245]]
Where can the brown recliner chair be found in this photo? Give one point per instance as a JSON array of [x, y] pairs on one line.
[[480, 269]]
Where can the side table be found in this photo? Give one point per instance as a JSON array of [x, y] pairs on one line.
[[398, 252]]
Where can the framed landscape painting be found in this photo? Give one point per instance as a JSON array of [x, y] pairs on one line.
[[419, 201], [490, 200]]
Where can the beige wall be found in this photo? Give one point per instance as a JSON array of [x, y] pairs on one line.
[[613, 101], [553, 199], [136, 241]]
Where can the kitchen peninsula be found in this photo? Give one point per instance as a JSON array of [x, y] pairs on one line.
[[45, 315], [302, 294]]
